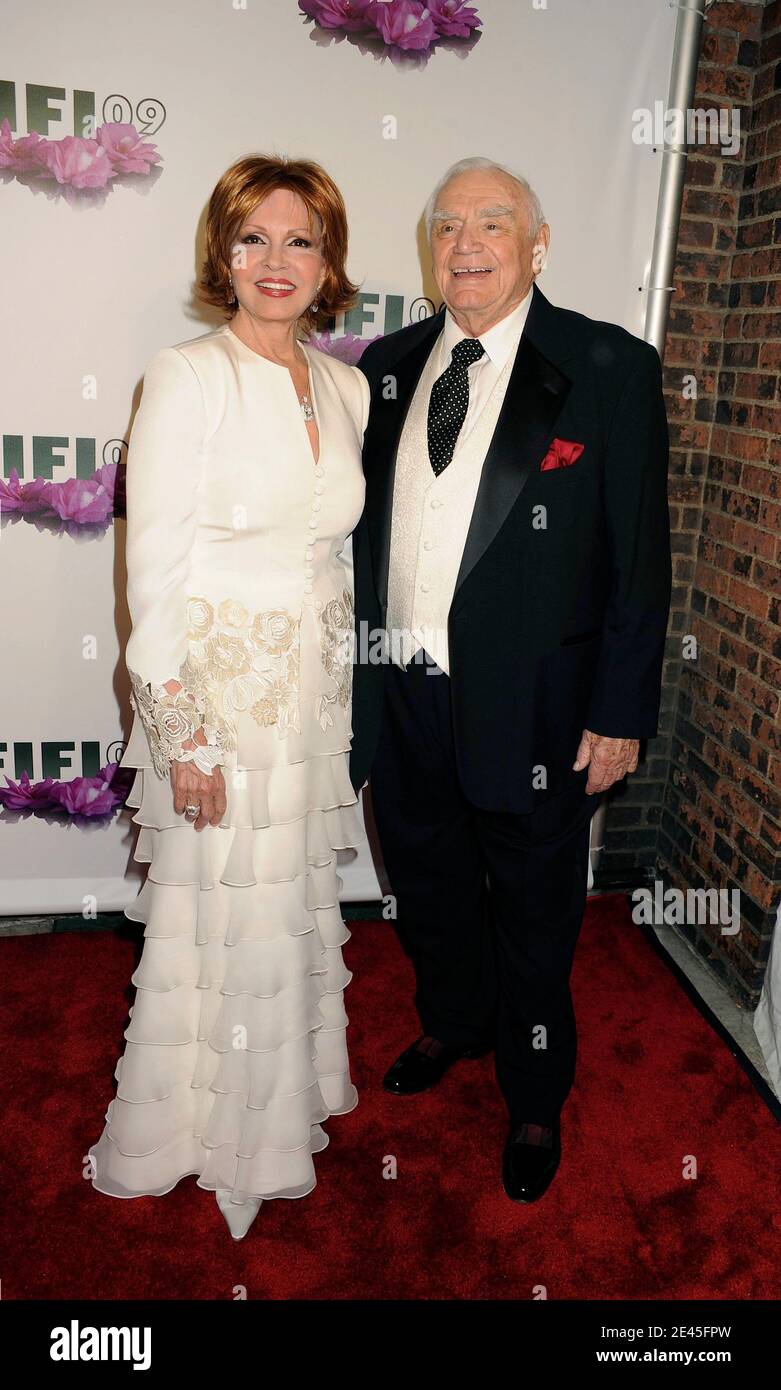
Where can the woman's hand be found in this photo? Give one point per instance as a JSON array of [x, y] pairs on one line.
[[190, 785]]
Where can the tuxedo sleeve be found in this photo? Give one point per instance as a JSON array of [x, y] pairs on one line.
[[163, 478], [370, 363], [627, 689], [365, 397]]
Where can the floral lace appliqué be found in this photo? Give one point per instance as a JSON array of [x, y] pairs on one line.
[[172, 720], [240, 661], [337, 636], [236, 662]]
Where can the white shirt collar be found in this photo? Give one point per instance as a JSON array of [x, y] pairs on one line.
[[499, 341]]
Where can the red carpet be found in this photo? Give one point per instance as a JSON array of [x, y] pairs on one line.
[[654, 1085]]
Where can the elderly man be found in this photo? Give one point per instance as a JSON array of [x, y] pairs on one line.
[[515, 549]]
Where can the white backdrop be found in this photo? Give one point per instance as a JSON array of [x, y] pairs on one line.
[[96, 282]]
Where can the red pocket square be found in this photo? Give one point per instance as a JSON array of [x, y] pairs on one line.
[[561, 454]]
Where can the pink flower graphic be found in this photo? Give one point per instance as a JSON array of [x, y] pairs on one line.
[[350, 15], [30, 155], [126, 150], [404, 23], [78, 162], [75, 161], [453, 18]]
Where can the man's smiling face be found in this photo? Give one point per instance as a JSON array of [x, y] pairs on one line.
[[482, 248]]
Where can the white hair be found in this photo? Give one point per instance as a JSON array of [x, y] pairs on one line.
[[536, 215]]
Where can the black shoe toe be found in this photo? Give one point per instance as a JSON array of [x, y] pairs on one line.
[[529, 1169], [415, 1071]]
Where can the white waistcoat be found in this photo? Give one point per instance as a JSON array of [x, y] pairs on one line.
[[431, 516]]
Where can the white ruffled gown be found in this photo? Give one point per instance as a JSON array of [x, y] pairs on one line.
[[236, 1046]]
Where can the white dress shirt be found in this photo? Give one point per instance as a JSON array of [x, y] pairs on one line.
[[498, 343]]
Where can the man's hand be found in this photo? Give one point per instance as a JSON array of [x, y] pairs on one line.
[[607, 759], [190, 785]]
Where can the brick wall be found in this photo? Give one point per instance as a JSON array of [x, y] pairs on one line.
[[705, 810]]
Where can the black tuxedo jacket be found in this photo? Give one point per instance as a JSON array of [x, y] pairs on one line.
[[560, 609]]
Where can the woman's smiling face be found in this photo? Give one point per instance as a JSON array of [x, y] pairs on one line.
[[277, 260]]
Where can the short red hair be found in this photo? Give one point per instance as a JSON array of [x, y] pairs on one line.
[[239, 190]]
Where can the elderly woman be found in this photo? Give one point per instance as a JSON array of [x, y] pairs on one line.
[[244, 480]]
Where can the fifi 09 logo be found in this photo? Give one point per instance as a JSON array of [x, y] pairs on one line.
[[51, 758], [382, 312], [41, 456], [53, 112]]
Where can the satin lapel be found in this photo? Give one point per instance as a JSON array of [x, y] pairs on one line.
[[535, 395], [380, 468]]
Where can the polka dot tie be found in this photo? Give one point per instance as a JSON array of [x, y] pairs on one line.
[[449, 403]]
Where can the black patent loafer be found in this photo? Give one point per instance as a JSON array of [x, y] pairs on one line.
[[416, 1070], [528, 1168]]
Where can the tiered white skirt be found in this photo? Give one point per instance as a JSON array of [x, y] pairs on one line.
[[236, 1048]]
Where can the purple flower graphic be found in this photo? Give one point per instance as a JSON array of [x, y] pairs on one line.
[[108, 476], [453, 18], [25, 795], [6, 145], [80, 501], [16, 496], [85, 500], [347, 348], [91, 797], [405, 23], [350, 15], [403, 26]]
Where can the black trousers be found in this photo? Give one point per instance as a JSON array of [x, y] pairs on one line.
[[489, 904]]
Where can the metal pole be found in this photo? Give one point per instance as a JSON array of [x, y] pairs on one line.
[[683, 77]]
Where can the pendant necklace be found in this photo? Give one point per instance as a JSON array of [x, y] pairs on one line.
[[307, 409]]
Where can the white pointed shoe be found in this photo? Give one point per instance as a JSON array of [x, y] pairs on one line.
[[239, 1216]]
